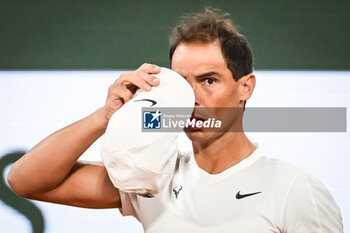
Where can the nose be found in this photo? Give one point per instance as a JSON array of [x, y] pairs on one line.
[[193, 84], [196, 104], [197, 96]]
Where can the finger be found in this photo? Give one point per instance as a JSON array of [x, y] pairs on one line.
[[116, 92], [131, 78], [149, 68], [145, 72], [124, 93], [150, 79], [140, 82]]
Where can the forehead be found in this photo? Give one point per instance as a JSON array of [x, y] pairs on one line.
[[196, 58]]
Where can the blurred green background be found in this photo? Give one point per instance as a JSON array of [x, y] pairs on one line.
[[95, 35]]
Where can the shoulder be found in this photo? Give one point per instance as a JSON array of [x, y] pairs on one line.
[[303, 198], [309, 203], [286, 174], [273, 167]]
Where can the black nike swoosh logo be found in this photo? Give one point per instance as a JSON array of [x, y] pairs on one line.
[[240, 196], [152, 101]]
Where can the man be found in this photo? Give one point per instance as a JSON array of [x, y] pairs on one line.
[[229, 184]]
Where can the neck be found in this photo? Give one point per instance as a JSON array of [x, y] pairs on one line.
[[223, 153]]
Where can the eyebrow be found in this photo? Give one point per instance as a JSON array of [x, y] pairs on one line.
[[205, 75], [208, 74]]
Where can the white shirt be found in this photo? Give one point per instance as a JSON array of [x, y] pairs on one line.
[[260, 194]]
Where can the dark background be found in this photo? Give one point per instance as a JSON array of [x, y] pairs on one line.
[[84, 34]]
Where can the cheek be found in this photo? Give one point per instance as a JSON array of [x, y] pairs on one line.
[[226, 96], [220, 95]]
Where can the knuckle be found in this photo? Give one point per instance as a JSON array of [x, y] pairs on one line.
[[137, 79], [129, 94], [126, 96], [121, 76], [145, 67], [124, 75], [110, 88], [150, 77]]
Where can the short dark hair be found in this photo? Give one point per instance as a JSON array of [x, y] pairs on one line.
[[211, 26]]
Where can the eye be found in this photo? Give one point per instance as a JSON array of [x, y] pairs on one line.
[[209, 81]]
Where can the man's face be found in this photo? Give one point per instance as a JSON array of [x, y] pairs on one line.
[[204, 67]]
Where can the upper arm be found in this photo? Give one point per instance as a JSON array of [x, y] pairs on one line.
[[309, 207], [87, 185]]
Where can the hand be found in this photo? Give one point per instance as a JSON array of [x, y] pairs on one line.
[[122, 90]]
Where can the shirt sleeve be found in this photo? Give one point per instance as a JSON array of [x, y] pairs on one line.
[[128, 202], [310, 208]]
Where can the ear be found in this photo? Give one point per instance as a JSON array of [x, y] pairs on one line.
[[247, 85]]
